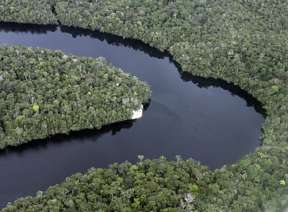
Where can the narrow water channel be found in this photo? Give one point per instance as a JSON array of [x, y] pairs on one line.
[[208, 120]]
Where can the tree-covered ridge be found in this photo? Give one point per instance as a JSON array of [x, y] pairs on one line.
[[161, 185], [150, 185], [43, 93], [240, 41]]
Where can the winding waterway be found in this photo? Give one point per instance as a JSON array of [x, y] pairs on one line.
[[205, 119]]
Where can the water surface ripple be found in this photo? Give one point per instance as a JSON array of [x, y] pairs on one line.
[[204, 119]]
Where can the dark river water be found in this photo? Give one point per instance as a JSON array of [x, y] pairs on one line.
[[208, 120]]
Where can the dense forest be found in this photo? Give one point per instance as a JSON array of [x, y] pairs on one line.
[[240, 41], [62, 94]]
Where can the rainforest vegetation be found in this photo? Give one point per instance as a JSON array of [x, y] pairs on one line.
[[47, 92], [240, 41]]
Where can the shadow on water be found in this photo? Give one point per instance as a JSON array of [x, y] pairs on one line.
[[77, 136], [235, 90], [60, 139], [31, 28], [208, 120]]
